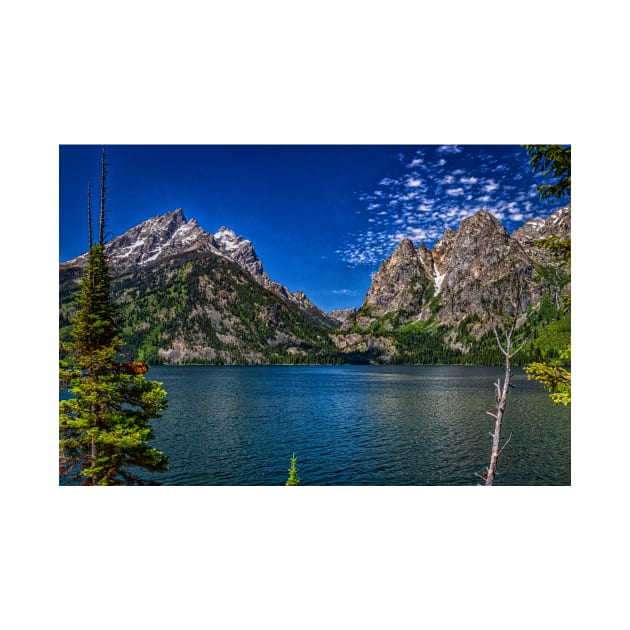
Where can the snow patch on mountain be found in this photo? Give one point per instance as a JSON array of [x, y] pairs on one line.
[[228, 240], [438, 280]]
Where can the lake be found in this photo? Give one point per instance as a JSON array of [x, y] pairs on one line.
[[355, 425]]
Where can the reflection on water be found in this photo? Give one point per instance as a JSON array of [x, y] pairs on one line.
[[354, 425]]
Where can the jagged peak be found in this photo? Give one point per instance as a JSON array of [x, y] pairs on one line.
[[176, 215], [479, 221], [479, 216], [228, 240], [224, 230], [406, 246]]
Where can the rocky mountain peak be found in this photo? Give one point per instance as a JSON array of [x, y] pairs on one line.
[[227, 239], [406, 248], [467, 267], [399, 282], [240, 250], [473, 261], [168, 235], [558, 224]]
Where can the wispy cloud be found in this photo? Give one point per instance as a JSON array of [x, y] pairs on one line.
[[490, 185], [413, 182], [449, 148], [455, 192]]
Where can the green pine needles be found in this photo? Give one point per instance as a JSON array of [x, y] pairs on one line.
[[104, 428], [293, 479]]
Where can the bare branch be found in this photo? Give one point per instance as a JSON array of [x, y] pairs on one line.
[[89, 213], [492, 414], [504, 445], [496, 334], [523, 343]]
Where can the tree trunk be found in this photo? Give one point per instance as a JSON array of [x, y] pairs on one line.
[[501, 395], [101, 221], [89, 209]]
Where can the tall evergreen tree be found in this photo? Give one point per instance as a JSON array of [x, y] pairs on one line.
[[104, 427]]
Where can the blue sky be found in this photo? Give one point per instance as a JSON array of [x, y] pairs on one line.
[[321, 217]]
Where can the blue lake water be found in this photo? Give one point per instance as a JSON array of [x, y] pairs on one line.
[[355, 425]]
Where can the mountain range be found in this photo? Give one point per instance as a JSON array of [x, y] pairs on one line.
[[186, 295]]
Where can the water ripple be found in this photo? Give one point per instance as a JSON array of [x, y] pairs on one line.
[[354, 425]]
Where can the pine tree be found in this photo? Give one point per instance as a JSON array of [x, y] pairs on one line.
[[293, 479], [552, 159], [104, 427]]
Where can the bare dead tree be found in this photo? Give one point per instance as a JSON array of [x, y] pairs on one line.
[[101, 224], [89, 216], [514, 307]]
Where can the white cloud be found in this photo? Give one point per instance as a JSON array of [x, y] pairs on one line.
[[491, 185], [468, 180], [415, 162], [449, 148], [410, 196], [455, 192], [413, 182]]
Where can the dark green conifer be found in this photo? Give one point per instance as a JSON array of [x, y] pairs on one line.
[[104, 427]]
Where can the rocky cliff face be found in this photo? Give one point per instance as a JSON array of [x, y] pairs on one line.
[[340, 315], [479, 257], [400, 282], [558, 224]]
